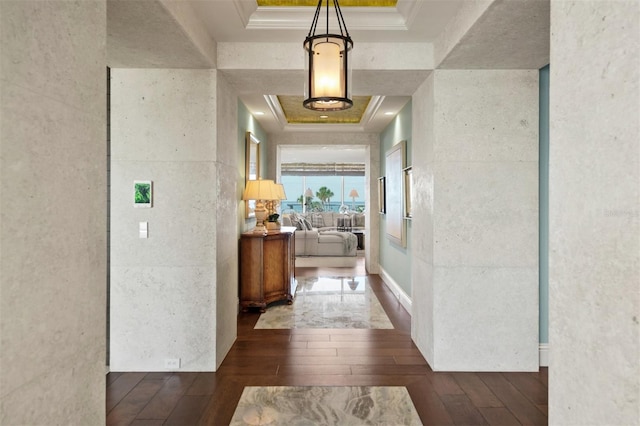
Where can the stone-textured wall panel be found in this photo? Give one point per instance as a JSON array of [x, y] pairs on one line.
[[470, 129], [227, 123], [53, 229], [56, 48], [191, 23], [483, 319], [157, 34], [228, 175], [226, 209], [422, 307], [476, 179], [174, 239], [594, 213], [509, 35], [17, 407], [227, 303], [162, 312], [159, 121], [163, 297], [486, 219], [465, 18], [485, 214]]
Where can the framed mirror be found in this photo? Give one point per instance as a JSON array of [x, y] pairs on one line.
[[252, 169]]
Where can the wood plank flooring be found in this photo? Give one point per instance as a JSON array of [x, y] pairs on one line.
[[328, 357]]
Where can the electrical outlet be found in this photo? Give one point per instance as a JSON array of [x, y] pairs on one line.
[[172, 363]]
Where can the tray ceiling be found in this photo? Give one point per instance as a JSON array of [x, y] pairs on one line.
[[295, 113]]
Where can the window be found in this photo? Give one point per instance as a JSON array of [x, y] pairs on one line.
[[328, 193]]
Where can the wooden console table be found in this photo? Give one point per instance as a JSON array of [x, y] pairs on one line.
[[267, 268]]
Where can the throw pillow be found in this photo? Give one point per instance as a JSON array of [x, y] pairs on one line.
[[295, 220], [317, 220], [306, 224]]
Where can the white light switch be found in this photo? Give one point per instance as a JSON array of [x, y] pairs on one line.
[[144, 229]]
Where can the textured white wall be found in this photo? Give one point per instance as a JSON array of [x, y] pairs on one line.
[[163, 289], [422, 285], [594, 213], [53, 231], [226, 210], [481, 196], [157, 34], [453, 34]]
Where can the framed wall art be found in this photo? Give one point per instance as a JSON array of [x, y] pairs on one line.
[[252, 169], [395, 165], [142, 194]]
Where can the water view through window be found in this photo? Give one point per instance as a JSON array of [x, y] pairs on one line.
[[322, 200]]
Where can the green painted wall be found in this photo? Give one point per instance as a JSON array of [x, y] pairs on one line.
[[544, 204], [396, 260], [247, 122]]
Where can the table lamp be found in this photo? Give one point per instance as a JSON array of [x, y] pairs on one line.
[[260, 190], [353, 194]]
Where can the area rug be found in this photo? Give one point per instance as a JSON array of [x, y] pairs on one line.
[[321, 405], [328, 302]]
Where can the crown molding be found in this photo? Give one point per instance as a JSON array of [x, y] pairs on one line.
[[345, 128], [372, 109], [409, 10], [276, 110], [245, 9]]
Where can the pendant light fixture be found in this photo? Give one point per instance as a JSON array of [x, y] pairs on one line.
[[328, 65]]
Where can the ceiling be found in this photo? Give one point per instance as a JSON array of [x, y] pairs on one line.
[[259, 46], [386, 21], [296, 113], [245, 21]]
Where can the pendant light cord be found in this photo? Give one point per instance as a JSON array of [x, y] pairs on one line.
[[341, 25]]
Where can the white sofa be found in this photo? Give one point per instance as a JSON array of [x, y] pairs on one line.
[[327, 221], [323, 241]]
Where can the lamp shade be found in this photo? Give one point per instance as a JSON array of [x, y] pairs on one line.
[[263, 189], [354, 194], [308, 193], [280, 191]]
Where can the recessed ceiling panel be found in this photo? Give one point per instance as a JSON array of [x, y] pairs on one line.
[[295, 113], [343, 3]]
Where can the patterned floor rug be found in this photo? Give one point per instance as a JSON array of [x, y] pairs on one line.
[[321, 405], [328, 303]]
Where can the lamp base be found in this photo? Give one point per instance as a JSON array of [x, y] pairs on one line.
[[261, 216]]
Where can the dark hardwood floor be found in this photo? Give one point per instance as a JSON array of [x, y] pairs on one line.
[[328, 357]]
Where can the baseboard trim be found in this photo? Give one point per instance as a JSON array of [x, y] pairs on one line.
[[544, 354], [397, 291]]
